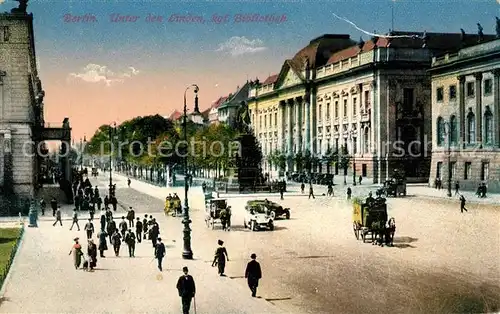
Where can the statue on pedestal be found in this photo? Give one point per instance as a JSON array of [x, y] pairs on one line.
[[480, 32], [497, 28], [21, 9]]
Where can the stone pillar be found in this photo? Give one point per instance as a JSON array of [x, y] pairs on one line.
[[461, 106], [298, 104], [307, 104], [479, 108], [290, 135], [8, 175], [496, 104], [282, 117]]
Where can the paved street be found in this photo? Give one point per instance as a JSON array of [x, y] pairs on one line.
[[312, 263], [442, 262]]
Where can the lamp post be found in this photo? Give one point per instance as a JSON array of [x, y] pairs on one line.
[[82, 147], [351, 134], [448, 140], [187, 252], [111, 149]]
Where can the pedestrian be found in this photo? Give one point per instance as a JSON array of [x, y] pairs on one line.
[[131, 217], [103, 222], [99, 202], [109, 215], [92, 252], [160, 253], [462, 204], [53, 204], [89, 228], [76, 250], [138, 229], [103, 245], [311, 191], [282, 190], [457, 187], [360, 179], [302, 187], [187, 290], [228, 217], [253, 273], [123, 227], [43, 205], [128, 182], [114, 202], [220, 258], [145, 225], [111, 228], [154, 232], [117, 242], [92, 212], [106, 202], [349, 193], [58, 216], [75, 221], [130, 240]]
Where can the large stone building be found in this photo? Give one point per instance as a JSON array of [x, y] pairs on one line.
[[22, 130], [466, 116], [374, 97]]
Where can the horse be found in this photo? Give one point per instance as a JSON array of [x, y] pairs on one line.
[[390, 230], [377, 229]]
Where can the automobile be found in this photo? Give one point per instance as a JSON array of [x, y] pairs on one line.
[[394, 188], [258, 217], [326, 179], [276, 210]]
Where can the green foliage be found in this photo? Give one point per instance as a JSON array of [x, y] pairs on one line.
[[344, 158], [331, 156]]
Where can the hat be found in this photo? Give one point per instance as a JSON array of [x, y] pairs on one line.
[[184, 268], [90, 240], [253, 256], [159, 239], [76, 239], [130, 207], [220, 242]]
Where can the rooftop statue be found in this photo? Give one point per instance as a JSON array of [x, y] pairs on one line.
[[497, 28], [23, 5], [480, 32]]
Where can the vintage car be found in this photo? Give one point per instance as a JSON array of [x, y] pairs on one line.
[[213, 209], [258, 217], [276, 210], [394, 187]]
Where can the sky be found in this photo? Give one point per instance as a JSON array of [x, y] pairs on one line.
[[103, 71]]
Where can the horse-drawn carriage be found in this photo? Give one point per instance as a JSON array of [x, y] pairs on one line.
[[95, 173], [173, 205], [214, 209], [370, 218]]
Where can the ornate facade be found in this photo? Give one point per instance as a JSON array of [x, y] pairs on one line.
[[466, 116], [373, 97]]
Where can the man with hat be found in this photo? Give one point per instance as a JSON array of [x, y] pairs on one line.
[[89, 228], [131, 217], [160, 253], [92, 252], [253, 273], [130, 240], [187, 290]]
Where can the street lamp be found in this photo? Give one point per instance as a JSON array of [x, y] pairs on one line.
[[111, 149], [82, 147], [351, 134], [448, 136], [187, 252]]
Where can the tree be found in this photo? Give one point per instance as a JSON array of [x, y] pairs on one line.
[[330, 157], [344, 160], [298, 160]]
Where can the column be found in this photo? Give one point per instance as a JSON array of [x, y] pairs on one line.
[[496, 104], [2, 113], [479, 108], [308, 121], [298, 104], [281, 121], [8, 175], [296, 110], [289, 150], [461, 106]]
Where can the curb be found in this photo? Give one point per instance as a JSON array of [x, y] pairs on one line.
[[18, 248]]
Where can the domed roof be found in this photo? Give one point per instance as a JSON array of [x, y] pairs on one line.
[[319, 50]]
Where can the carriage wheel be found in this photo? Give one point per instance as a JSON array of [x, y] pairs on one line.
[[207, 222], [356, 231], [212, 223]]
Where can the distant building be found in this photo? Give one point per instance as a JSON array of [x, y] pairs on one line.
[[213, 116], [373, 97], [466, 116], [229, 108]]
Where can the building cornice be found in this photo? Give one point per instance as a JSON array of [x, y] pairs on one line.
[[462, 64]]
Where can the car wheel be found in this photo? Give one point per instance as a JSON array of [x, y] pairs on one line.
[[287, 215], [245, 224], [271, 226], [273, 215], [253, 226]]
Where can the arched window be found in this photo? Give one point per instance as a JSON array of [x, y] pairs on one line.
[[471, 128], [453, 130], [440, 131], [366, 140], [488, 127]]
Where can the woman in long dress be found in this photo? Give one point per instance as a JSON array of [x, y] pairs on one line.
[[76, 250]]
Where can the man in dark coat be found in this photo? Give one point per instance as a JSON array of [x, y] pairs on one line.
[[103, 245], [114, 202], [111, 228], [103, 222], [462, 204], [116, 240], [130, 240], [131, 217], [53, 205], [123, 227], [253, 273], [92, 252], [160, 252], [154, 233], [187, 290], [145, 225], [138, 229], [106, 202]]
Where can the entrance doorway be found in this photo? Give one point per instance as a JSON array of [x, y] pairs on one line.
[[363, 170]]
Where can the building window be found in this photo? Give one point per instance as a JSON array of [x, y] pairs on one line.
[[471, 128], [354, 145], [453, 166], [265, 121], [345, 107], [453, 130], [354, 104], [408, 99], [327, 111], [6, 33], [320, 142], [488, 87], [470, 89], [453, 92], [488, 127], [337, 144], [320, 113], [485, 169], [367, 99], [439, 168], [467, 173], [260, 122], [276, 119], [336, 109], [439, 94], [440, 131], [366, 141]]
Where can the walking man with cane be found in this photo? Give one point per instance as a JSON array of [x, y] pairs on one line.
[[187, 290]]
